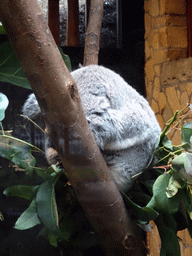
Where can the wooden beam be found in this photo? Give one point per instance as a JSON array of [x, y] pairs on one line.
[[53, 19], [73, 23], [189, 28]]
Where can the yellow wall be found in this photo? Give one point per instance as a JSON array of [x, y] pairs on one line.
[[168, 77]]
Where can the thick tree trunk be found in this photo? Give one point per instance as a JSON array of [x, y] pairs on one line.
[[66, 123]]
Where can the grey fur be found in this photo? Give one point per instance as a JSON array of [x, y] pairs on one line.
[[121, 120]]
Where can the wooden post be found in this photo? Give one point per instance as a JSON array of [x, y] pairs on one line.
[[73, 24], [53, 19]]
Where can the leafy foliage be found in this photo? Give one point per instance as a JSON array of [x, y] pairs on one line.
[[17, 151], [29, 218], [163, 193], [10, 68], [168, 182]]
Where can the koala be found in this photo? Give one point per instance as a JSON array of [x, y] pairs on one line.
[[123, 124]]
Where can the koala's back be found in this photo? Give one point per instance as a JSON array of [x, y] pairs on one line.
[[121, 120], [105, 94]]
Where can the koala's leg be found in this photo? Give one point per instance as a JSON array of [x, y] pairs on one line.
[[50, 152]]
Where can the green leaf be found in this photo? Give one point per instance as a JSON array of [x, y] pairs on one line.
[[44, 173], [186, 133], [69, 225], [167, 143], [172, 187], [169, 241], [3, 105], [142, 213], [182, 166], [47, 208], [160, 202], [22, 191], [17, 151], [29, 218], [10, 67], [2, 30], [53, 240], [66, 59]]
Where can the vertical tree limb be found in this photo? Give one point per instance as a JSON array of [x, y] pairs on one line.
[[60, 103], [92, 39]]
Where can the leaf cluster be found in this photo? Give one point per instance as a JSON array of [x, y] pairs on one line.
[[163, 193], [52, 203], [165, 187]]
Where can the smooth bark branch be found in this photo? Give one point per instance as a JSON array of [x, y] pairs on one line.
[[66, 123], [92, 39]]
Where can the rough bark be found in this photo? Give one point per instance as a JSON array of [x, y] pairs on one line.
[[66, 123], [92, 39]]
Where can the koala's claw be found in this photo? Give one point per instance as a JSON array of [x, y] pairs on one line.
[[52, 156]]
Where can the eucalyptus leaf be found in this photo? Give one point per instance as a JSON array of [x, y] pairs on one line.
[[29, 218], [44, 173], [186, 133], [172, 187], [182, 165], [142, 213], [10, 67], [160, 202], [47, 208], [17, 151], [22, 191], [3, 105], [2, 30], [53, 240], [169, 241], [167, 143], [69, 225], [66, 59]]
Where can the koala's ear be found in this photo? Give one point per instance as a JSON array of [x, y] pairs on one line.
[[31, 107]]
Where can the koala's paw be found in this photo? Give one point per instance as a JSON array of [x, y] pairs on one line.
[[52, 156]]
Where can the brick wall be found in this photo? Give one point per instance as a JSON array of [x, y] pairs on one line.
[[168, 77], [165, 41]]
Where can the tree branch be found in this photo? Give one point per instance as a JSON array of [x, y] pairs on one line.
[[92, 39], [66, 123]]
